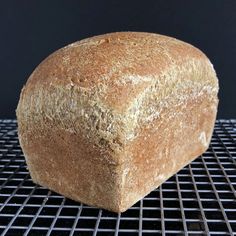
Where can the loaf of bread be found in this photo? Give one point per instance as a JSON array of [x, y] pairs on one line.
[[106, 120]]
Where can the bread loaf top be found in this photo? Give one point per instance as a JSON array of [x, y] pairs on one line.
[[119, 65], [107, 86]]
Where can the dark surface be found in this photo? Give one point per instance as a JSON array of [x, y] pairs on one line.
[[31, 30], [199, 200]]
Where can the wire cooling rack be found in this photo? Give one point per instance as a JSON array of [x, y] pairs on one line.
[[198, 200]]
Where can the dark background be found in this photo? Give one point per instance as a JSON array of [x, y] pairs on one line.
[[31, 30]]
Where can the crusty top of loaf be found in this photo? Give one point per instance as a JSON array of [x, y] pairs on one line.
[[106, 86], [120, 64]]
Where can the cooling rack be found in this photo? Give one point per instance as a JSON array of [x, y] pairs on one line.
[[199, 200]]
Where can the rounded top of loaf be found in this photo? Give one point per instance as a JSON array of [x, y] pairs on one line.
[[118, 66]]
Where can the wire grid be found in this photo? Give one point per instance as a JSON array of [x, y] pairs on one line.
[[198, 200]]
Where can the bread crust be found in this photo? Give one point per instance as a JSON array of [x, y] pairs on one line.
[[107, 119]]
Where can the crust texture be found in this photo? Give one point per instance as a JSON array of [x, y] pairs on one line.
[[107, 119]]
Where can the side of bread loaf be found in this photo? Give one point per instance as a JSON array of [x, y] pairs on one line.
[[107, 119]]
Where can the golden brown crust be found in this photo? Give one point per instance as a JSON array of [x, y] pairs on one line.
[[108, 104], [105, 61]]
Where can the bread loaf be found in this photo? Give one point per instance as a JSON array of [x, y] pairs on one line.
[[106, 120]]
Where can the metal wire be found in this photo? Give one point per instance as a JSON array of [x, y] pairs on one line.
[[198, 200]]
